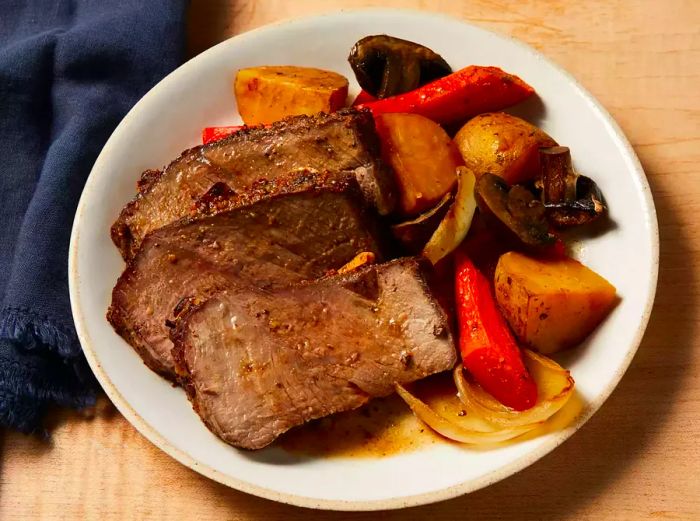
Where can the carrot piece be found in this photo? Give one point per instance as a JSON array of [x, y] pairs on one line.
[[363, 97], [210, 134], [489, 350], [557, 250], [458, 96], [363, 258]]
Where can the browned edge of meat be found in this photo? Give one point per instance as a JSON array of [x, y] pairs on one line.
[[220, 201], [373, 379], [345, 141], [148, 177], [120, 324], [221, 198], [120, 231]]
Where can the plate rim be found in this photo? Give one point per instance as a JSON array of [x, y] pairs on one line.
[[459, 489]]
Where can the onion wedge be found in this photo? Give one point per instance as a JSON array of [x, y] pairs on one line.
[[451, 429], [454, 226], [554, 384]]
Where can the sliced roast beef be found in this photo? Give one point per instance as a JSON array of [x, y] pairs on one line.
[[259, 362], [300, 232], [342, 142]]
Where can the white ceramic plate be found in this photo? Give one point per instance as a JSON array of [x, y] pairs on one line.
[[198, 94]]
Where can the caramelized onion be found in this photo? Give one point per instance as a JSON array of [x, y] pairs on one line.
[[452, 430], [455, 225], [554, 385]]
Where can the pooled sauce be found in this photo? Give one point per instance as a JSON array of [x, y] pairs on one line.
[[383, 427], [386, 426]]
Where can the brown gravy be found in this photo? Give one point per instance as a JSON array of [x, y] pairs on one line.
[[383, 427], [386, 426]]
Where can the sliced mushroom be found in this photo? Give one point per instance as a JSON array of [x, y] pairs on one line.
[[516, 207], [570, 199], [385, 66]]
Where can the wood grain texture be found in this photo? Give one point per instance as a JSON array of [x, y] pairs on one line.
[[638, 458]]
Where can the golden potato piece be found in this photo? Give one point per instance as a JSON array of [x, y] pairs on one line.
[[423, 157], [502, 144], [269, 93], [551, 304]]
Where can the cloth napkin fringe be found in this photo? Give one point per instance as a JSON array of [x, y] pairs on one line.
[[31, 330], [40, 364]]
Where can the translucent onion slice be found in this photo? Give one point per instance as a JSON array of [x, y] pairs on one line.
[[451, 429], [554, 386], [454, 226]]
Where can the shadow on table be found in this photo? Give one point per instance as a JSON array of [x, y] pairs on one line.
[[212, 21], [570, 478], [55, 418]]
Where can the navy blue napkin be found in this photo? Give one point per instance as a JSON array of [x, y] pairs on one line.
[[69, 72]]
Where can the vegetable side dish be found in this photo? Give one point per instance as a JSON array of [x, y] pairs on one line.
[[321, 255]]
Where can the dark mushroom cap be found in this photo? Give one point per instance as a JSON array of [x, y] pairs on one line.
[[385, 66], [516, 207], [570, 199]]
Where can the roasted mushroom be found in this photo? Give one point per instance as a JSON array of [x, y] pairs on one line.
[[570, 199], [516, 207], [385, 66]]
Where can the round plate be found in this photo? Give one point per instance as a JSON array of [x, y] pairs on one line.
[[198, 94]]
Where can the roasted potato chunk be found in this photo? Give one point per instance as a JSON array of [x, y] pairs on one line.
[[269, 93], [501, 144], [423, 157], [551, 304]]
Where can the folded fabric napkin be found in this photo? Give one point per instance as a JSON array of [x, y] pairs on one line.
[[69, 72]]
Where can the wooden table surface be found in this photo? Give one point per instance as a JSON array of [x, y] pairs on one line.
[[638, 458]]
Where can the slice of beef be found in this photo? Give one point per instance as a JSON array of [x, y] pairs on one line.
[[257, 363], [342, 142], [284, 238]]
